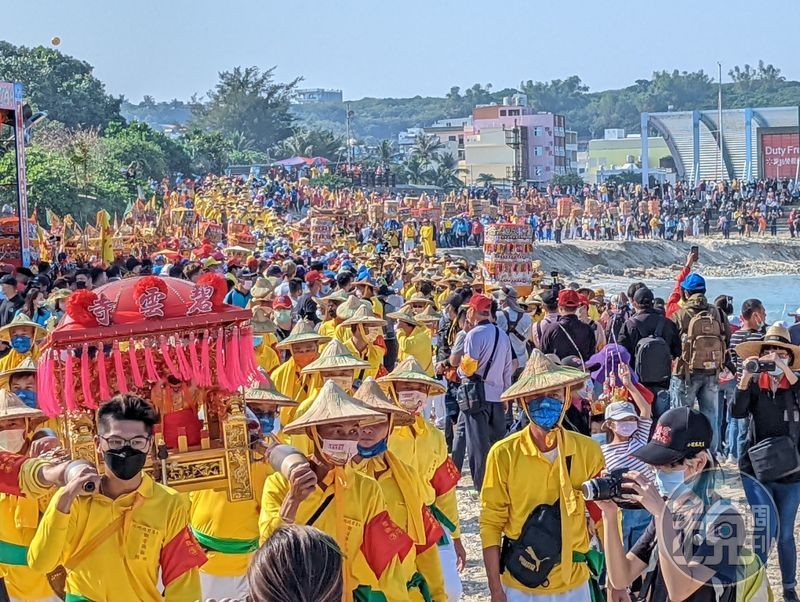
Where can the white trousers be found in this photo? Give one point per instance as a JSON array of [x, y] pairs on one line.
[[217, 588], [52, 598], [452, 580], [579, 594]]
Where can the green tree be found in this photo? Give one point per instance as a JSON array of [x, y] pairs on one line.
[[210, 152], [248, 100], [566, 180], [311, 143], [385, 152], [176, 157], [486, 179], [59, 84], [414, 171], [426, 148]]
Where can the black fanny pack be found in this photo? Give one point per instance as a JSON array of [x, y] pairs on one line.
[[774, 458], [531, 557]]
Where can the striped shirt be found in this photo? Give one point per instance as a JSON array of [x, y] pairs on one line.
[[618, 455], [740, 336]]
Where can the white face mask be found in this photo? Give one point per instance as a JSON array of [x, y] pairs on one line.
[[320, 315], [345, 383], [625, 429], [339, 451], [411, 400], [12, 440], [435, 340]]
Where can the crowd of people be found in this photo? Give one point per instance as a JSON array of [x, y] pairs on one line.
[[597, 429]]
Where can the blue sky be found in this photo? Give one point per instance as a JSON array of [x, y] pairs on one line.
[[174, 48]]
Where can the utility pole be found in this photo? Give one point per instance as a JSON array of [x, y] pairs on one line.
[[719, 121], [349, 145]]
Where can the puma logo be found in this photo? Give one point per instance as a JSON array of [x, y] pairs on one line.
[[534, 564]]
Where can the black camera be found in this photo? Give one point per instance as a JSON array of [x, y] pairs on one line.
[[755, 366], [610, 486]]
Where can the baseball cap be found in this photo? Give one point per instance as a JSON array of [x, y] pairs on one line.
[[644, 296], [9, 280], [480, 303], [680, 433], [282, 302], [694, 283], [619, 410], [569, 298], [313, 276], [274, 270], [549, 297], [507, 292], [795, 313]]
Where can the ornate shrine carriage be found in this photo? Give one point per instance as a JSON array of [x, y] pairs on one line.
[[175, 343]]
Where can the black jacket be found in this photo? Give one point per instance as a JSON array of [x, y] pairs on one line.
[[556, 338], [644, 324], [769, 415], [9, 307]]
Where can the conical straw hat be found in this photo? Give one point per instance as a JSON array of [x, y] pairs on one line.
[[334, 356], [27, 365], [418, 300], [777, 336], [541, 375], [428, 315], [22, 321], [261, 323], [12, 406], [409, 370], [265, 392], [347, 309], [303, 332], [404, 314], [364, 315], [332, 405], [372, 396], [337, 296]]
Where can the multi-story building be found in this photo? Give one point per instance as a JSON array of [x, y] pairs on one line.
[[451, 133], [571, 147], [316, 95], [500, 131]]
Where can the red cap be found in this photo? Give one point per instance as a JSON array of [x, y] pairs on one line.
[[282, 302], [569, 298], [584, 300], [480, 303], [313, 276]]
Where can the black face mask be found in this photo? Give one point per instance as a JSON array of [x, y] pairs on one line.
[[125, 462]]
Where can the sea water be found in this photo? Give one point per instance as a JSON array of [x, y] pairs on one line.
[[780, 293]]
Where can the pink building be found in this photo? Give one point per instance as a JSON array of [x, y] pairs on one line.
[[542, 136]]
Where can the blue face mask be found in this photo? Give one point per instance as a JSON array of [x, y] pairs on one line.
[[257, 341], [267, 422], [600, 438], [28, 397], [545, 412], [21, 343], [375, 450], [669, 482]]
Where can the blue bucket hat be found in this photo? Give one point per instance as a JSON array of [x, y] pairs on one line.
[[694, 283]]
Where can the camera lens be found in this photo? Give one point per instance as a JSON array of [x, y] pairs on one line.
[[751, 366]]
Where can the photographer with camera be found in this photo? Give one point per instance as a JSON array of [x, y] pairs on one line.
[[692, 549], [768, 392]]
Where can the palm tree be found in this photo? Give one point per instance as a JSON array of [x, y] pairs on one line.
[[414, 170], [426, 148], [486, 179], [240, 142], [385, 152]]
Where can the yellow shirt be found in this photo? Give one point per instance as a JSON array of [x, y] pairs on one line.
[[267, 357], [13, 358], [423, 446], [408, 290], [19, 518], [327, 328], [507, 498], [403, 489], [417, 345], [288, 381], [368, 527], [213, 515], [372, 354], [126, 565]]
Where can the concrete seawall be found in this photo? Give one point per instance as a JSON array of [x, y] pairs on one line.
[[659, 258]]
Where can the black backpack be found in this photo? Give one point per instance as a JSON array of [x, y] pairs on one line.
[[652, 359]]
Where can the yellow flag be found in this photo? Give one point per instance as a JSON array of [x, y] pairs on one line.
[[106, 243]]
